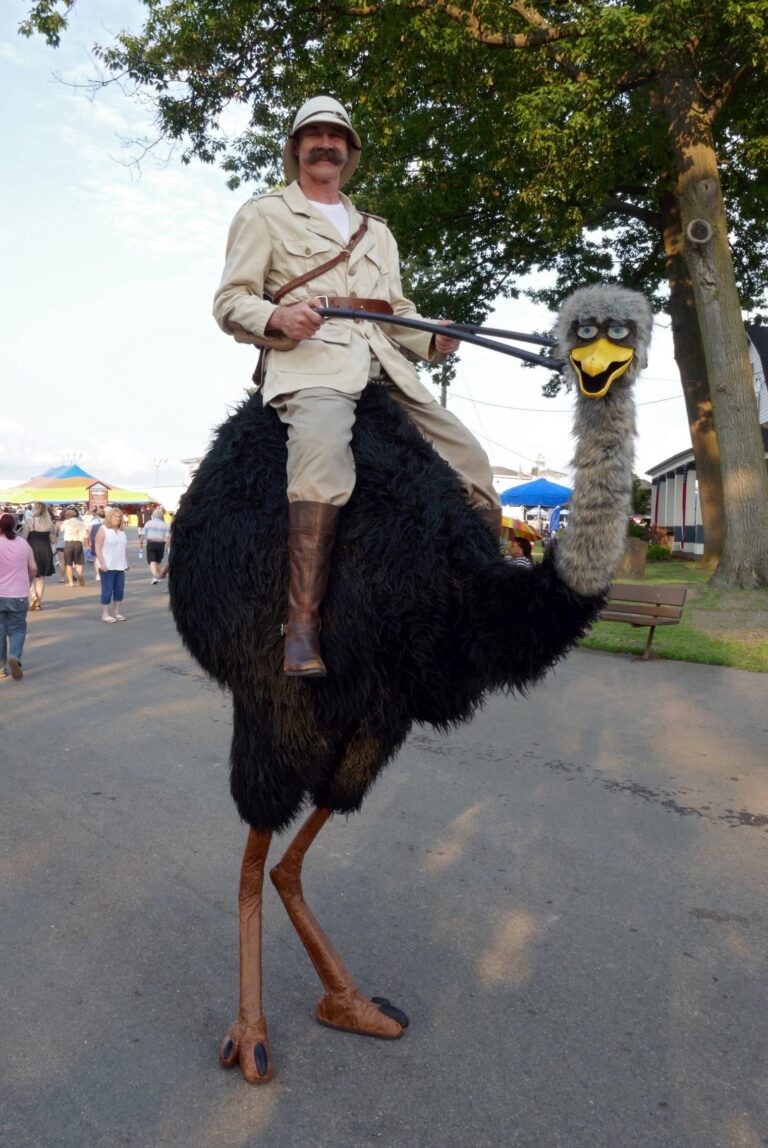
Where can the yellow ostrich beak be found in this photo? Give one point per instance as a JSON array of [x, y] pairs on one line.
[[598, 365]]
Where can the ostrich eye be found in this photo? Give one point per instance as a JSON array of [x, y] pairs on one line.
[[587, 330], [617, 331]]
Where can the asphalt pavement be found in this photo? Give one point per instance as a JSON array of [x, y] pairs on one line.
[[568, 897]]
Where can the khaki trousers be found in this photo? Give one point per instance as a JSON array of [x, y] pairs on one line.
[[321, 467]]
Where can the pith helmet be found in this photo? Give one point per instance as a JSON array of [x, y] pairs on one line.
[[321, 110]]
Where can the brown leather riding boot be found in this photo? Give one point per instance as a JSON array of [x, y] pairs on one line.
[[491, 516], [311, 535]]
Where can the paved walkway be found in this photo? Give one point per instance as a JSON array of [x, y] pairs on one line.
[[568, 896]]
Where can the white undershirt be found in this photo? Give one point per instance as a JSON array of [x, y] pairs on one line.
[[338, 215]]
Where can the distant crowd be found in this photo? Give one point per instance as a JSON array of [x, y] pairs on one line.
[[37, 540]]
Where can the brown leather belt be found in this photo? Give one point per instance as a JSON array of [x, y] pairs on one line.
[[352, 303]]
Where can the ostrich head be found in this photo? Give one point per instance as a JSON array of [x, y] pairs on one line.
[[603, 333]]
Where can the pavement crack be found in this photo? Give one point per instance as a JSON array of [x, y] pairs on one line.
[[194, 674]]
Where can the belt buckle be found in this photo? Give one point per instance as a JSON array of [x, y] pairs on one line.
[[323, 300]]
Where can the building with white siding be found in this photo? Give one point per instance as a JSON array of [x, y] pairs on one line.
[[674, 489], [758, 354]]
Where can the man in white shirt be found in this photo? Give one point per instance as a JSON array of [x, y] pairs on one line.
[[73, 531], [155, 532]]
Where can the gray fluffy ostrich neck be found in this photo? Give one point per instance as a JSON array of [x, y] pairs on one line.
[[587, 555], [590, 550]]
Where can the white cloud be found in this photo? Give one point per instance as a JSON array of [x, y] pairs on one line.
[[115, 460], [12, 54], [10, 428]]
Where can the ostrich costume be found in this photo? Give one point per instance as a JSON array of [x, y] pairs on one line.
[[422, 617]]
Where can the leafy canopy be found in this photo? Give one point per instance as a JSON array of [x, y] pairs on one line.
[[499, 137]]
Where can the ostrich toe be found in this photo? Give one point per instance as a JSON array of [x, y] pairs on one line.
[[248, 1046], [389, 1009], [350, 1011]]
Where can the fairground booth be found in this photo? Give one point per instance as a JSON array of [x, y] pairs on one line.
[[72, 486]]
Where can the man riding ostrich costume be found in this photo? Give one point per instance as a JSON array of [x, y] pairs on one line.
[[421, 615]]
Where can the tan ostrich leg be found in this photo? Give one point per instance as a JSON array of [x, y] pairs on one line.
[[246, 1041], [342, 1005]]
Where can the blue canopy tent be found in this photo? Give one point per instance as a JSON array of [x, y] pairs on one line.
[[537, 492]]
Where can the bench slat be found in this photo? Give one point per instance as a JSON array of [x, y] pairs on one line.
[[641, 608], [666, 594], [637, 620]]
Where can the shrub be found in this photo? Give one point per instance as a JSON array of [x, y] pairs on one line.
[[658, 553], [637, 530]]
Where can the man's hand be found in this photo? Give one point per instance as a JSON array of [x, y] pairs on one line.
[[296, 320], [444, 345]]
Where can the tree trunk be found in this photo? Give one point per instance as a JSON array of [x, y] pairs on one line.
[[689, 356], [744, 560]]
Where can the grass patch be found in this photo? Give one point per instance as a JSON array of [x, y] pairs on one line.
[[718, 628]]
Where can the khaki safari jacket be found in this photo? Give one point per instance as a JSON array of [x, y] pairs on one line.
[[279, 236]]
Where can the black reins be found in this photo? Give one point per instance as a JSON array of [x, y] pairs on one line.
[[467, 332]]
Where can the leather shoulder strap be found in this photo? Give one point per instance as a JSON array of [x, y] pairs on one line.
[[316, 271]]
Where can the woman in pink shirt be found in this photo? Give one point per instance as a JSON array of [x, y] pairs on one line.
[[17, 569]]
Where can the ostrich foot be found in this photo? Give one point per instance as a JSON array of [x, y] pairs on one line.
[[350, 1011], [248, 1046]]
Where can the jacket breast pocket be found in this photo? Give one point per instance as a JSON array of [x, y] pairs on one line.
[[303, 255], [308, 250], [371, 276]]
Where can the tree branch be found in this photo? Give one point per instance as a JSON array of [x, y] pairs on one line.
[[641, 274], [615, 206], [727, 88], [543, 34]]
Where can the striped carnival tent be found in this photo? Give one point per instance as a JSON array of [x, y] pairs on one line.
[[62, 485]]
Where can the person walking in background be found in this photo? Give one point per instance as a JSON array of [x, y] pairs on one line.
[[96, 524], [519, 552], [167, 564], [59, 546], [156, 533], [40, 533], [74, 553], [17, 570], [111, 551]]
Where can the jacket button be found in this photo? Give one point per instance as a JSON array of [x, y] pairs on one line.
[[352, 271], [307, 250]]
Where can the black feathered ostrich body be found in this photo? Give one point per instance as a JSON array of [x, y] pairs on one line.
[[422, 617]]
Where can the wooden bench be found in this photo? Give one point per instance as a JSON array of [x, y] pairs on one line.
[[650, 606]]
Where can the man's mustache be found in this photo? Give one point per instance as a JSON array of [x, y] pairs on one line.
[[332, 154]]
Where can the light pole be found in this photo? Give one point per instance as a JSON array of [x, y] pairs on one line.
[[157, 463]]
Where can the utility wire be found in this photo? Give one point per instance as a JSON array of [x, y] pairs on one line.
[[544, 410], [506, 447]]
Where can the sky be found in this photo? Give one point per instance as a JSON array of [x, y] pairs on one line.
[[109, 355]]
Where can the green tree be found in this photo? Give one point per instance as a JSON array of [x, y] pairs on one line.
[[641, 496], [589, 140]]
